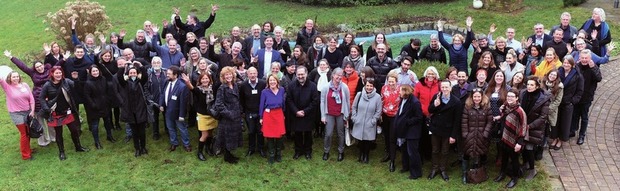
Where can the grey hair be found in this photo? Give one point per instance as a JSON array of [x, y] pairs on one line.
[[337, 71], [237, 44], [601, 13], [434, 37], [565, 14], [585, 52]]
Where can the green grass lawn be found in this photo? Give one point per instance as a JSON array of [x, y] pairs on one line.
[[115, 168]]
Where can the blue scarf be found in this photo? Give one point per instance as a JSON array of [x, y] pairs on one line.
[[570, 76], [604, 32]]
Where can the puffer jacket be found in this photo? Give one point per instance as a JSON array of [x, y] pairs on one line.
[[537, 117], [475, 129], [381, 68]]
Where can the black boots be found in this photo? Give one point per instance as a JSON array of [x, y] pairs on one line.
[[201, 146], [392, 166], [98, 145], [464, 169], [272, 150], [78, 145], [500, 177], [209, 146], [61, 149], [229, 157], [279, 148]]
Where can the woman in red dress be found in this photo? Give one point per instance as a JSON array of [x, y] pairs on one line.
[[272, 117]]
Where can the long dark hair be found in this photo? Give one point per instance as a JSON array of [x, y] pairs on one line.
[[492, 85], [556, 83]]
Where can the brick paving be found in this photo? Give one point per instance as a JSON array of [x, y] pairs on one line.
[[593, 165]]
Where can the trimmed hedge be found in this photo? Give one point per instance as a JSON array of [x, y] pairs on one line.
[[568, 3], [419, 67]]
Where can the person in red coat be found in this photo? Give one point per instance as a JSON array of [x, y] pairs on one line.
[[424, 91]]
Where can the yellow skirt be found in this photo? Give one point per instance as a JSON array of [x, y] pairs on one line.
[[206, 122]]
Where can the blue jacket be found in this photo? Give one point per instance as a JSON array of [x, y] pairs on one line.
[[458, 58], [275, 57], [167, 59], [177, 100]]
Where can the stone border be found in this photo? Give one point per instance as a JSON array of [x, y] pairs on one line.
[[428, 25]]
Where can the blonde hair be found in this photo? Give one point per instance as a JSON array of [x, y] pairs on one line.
[[228, 70]]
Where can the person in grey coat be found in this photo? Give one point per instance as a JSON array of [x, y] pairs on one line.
[[366, 113], [335, 99]]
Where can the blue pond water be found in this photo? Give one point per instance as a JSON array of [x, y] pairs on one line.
[[423, 35]]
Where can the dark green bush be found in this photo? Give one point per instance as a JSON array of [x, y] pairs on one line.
[[568, 3], [356, 2], [419, 67]]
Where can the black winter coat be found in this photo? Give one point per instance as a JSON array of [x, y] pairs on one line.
[[51, 94], [304, 98], [135, 109], [573, 89], [97, 102], [408, 123], [445, 118], [229, 124], [591, 78], [536, 116], [381, 68]]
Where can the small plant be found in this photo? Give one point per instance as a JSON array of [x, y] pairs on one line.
[[419, 67], [90, 16]]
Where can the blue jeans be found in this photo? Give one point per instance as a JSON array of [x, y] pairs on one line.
[[94, 128], [581, 111], [172, 125]]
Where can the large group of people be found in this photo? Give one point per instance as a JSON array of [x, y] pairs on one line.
[[520, 96]]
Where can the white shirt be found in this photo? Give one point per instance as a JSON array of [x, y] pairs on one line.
[[402, 104], [168, 90], [267, 62]]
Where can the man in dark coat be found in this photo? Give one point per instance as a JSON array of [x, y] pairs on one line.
[[302, 101], [539, 37], [591, 77], [408, 126], [75, 69], [305, 36], [254, 42], [140, 47], [249, 96], [557, 44], [193, 24]]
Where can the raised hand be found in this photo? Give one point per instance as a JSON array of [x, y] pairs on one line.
[[185, 77], [594, 34], [7, 53], [73, 22], [214, 8], [164, 22], [610, 47], [440, 25], [469, 22], [47, 48], [569, 47], [66, 55], [155, 28], [212, 38], [176, 10], [97, 50], [492, 28], [102, 38], [122, 33]]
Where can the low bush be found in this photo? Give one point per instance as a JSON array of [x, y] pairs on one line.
[[568, 3], [90, 16]]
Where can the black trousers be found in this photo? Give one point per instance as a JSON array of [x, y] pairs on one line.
[[139, 135], [255, 135], [389, 135], [509, 157], [303, 142], [411, 157]]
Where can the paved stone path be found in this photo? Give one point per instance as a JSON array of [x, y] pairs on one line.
[[594, 165]]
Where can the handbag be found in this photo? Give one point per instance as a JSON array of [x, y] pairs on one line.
[[477, 175], [35, 129], [348, 138]]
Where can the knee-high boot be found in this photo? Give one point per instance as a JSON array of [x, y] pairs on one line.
[[61, 143], [464, 169], [209, 146], [201, 146], [271, 149], [279, 147]]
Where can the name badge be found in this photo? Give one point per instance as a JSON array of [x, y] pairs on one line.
[[68, 112], [254, 92], [267, 110], [173, 97]]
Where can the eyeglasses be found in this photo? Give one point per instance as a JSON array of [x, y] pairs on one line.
[[477, 90]]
